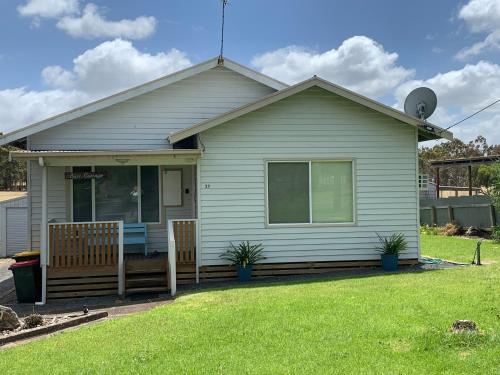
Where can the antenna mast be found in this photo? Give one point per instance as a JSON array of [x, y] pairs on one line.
[[221, 56]]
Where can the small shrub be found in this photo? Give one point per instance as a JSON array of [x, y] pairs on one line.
[[392, 245], [243, 254], [495, 233], [451, 229], [32, 321], [432, 230]]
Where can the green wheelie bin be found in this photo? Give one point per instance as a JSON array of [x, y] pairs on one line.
[[28, 280]]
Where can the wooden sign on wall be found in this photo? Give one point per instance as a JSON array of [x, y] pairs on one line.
[[84, 175]]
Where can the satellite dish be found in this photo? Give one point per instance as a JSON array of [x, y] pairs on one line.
[[421, 103]]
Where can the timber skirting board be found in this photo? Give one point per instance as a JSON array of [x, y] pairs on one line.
[[220, 273], [81, 282]]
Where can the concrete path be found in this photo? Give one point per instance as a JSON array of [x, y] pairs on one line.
[[6, 280]]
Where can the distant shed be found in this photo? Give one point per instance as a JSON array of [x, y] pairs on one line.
[[13, 223]]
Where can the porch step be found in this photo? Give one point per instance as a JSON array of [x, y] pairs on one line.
[[146, 266], [146, 280], [142, 271], [148, 289]]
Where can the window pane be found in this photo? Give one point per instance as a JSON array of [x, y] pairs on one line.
[[116, 194], [82, 196], [150, 199], [288, 192], [332, 195]]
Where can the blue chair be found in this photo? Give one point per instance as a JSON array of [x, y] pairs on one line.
[[136, 234]]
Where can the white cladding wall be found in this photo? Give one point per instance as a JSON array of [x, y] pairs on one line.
[[145, 122], [312, 124], [57, 198], [157, 233]]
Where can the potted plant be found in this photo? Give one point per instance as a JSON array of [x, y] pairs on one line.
[[243, 256], [390, 247]]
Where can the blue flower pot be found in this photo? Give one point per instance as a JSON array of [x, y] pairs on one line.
[[389, 262], [244, 273]]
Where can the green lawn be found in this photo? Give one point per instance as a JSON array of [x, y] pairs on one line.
[[458, 249], [390, 324]]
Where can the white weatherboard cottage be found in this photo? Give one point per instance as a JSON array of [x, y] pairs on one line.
[[213, 154]]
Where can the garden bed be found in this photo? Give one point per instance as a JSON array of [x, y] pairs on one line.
[[50, 324]]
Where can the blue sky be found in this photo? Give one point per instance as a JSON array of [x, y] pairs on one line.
[[57, 54]]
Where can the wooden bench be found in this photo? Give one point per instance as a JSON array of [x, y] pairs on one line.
[[136, 234]]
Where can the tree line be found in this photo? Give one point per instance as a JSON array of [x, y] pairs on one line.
[[12, 173], [482, 176]]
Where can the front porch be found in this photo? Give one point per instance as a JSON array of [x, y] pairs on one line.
[[83, 203], [88, 259]]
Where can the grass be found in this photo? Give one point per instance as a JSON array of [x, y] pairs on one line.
[[389, 324], [458, 249]]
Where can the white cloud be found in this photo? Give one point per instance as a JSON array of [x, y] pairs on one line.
[[481, 16], [92, 24], [87, 23], [112, 66], [56, 76], [491, 42], [460, 93], [108, 68], [359, 63], [20, 106], [48, 8]]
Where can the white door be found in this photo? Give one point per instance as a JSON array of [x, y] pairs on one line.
[[17, 230]]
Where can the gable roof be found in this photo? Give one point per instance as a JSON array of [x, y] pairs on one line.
[[427, 131], [136, 91]]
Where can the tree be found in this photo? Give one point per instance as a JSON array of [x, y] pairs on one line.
[[12, 173], [494, 191]]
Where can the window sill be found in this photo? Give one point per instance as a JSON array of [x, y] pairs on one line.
[[311, 225]]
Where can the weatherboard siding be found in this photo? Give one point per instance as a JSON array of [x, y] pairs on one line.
[[145, 122], [13, 203], [309, 125], [157, 233], [57, 199]]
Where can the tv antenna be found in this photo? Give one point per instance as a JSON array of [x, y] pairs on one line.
[[221, 56], [421, 103]]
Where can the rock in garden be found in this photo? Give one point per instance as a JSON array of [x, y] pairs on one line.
[[8, 319], [463, 326], [473, 232]]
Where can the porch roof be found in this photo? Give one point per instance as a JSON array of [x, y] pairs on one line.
[[110, 158]]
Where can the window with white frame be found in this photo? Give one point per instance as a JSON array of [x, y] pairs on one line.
[[310, 192], [128, 193], [423, 181]]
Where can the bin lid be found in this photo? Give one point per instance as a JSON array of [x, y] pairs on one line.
[[27, 253], [26, 263]]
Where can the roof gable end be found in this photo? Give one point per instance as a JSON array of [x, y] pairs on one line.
[[426, 129], [137, 91]]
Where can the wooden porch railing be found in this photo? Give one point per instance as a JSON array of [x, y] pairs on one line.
[[86, 246], [185, 240], [182, 243], [83, 244]]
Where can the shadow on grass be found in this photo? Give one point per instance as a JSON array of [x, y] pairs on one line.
[[340, 274], [132, 302]]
